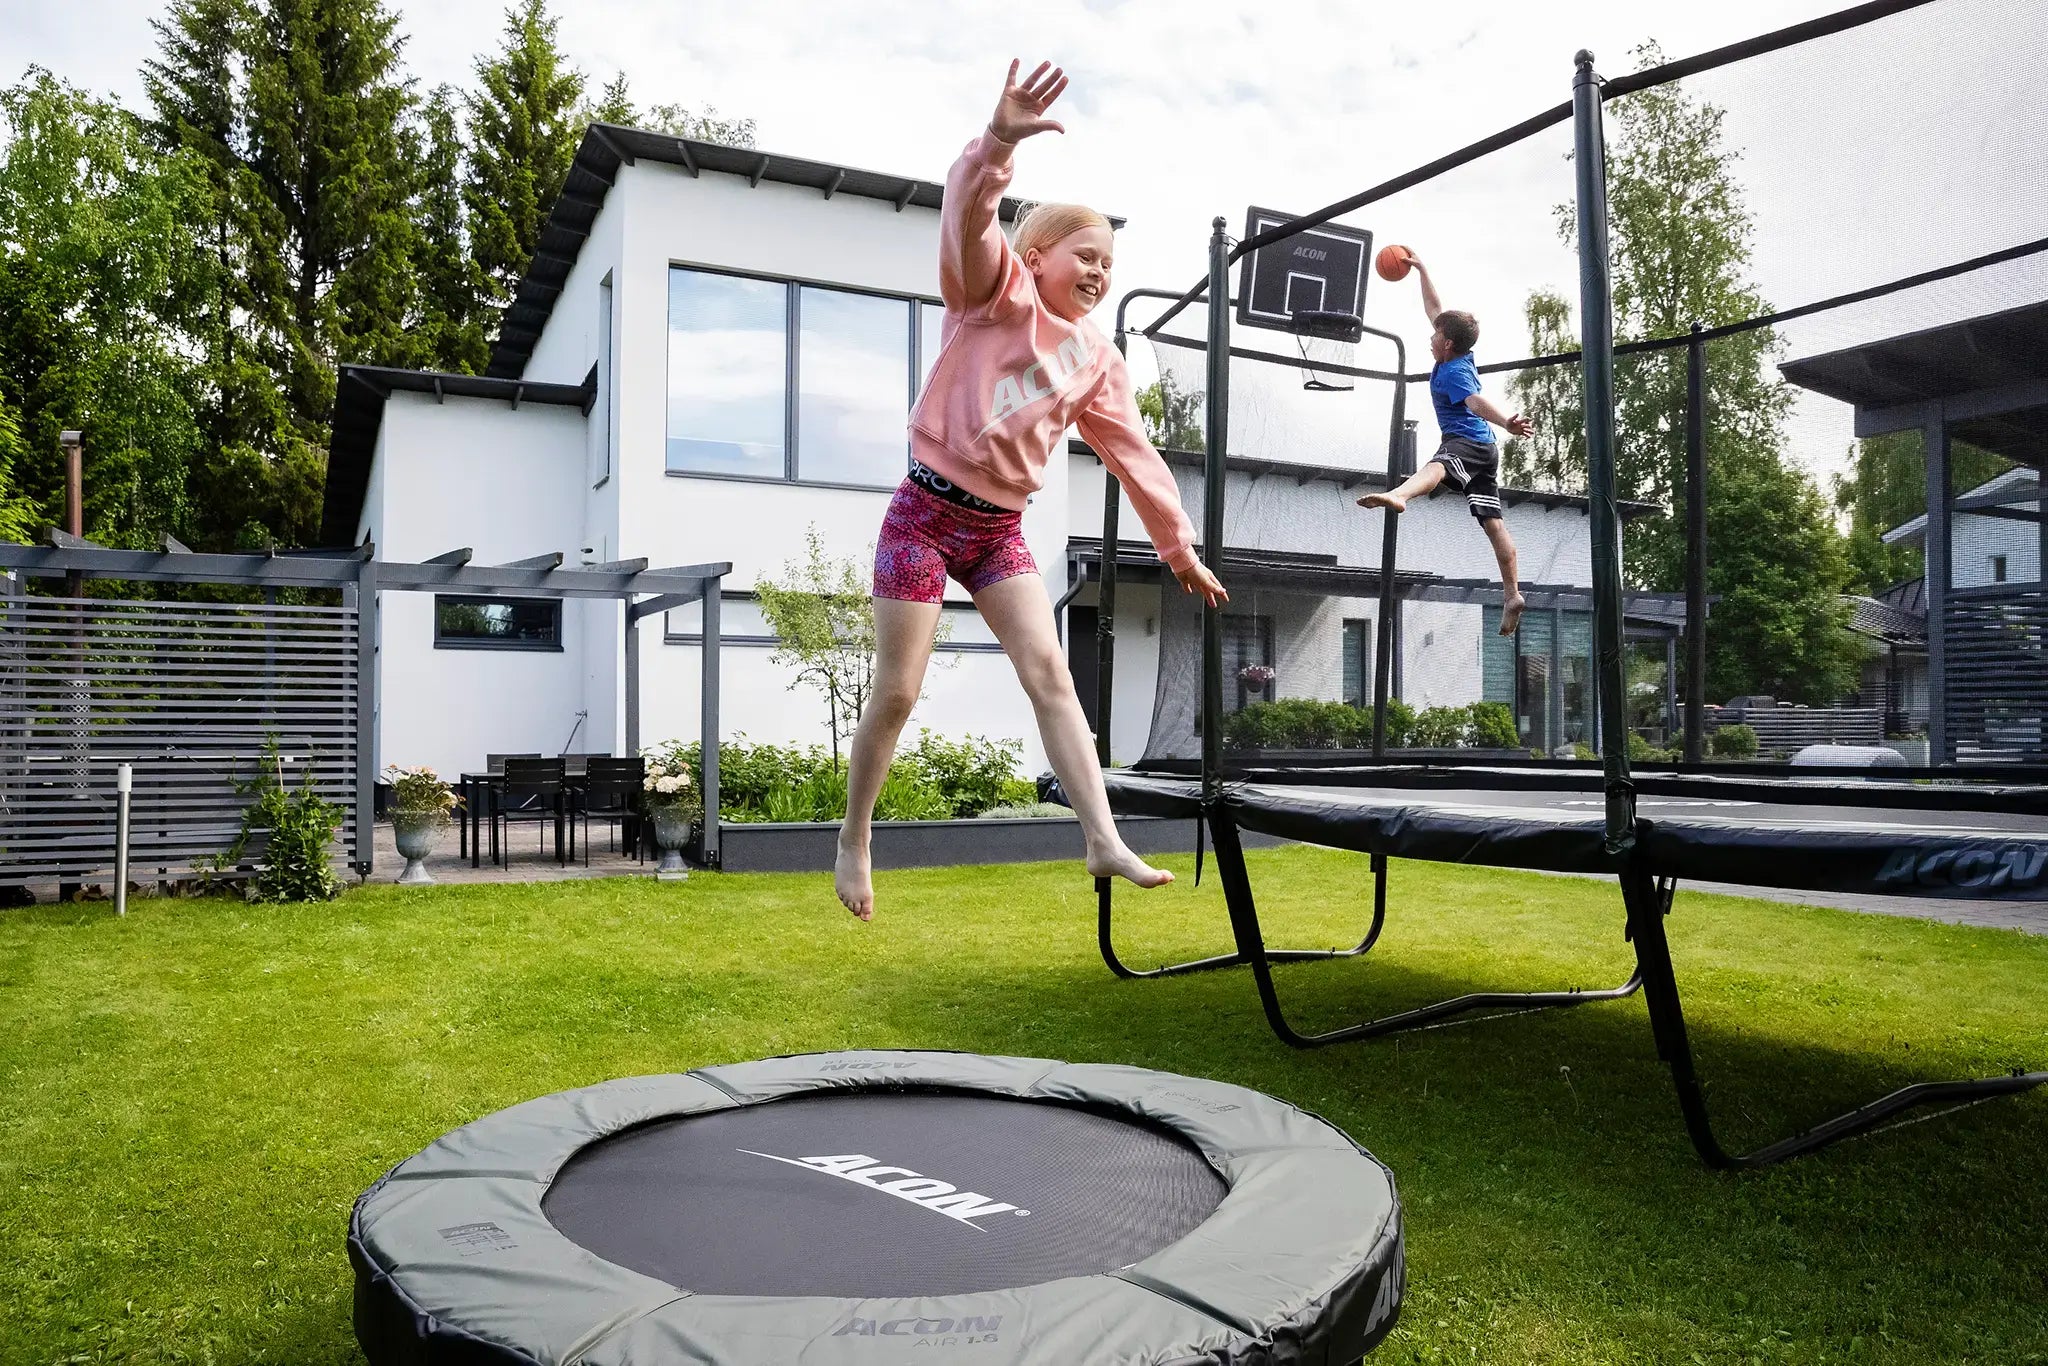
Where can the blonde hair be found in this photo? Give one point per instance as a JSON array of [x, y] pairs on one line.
[[1045, 224]]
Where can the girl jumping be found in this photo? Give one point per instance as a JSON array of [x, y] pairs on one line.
[[1018, 364]]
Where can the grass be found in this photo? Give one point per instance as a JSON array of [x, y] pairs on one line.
[[196, 1094]]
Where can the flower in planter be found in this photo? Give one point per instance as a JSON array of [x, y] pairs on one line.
[[668, 785], [420, 792], [1256, 676]]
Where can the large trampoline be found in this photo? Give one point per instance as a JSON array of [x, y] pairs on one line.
[[868, 1207], [1331, 699]]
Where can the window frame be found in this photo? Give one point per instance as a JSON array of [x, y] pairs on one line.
[[442, 642], [793, 287], [1366, 648]]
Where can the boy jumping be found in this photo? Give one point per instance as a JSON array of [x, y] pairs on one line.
[[1468, 459]]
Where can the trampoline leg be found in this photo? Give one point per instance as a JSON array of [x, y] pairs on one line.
[[1648, 903], [1104, 937], [1251, 947]]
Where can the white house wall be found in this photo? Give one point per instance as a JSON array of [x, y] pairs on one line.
[[1975, 540], [473, 472]]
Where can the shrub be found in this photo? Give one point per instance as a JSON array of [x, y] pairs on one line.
[[299, 825], [420, 791], [1022, 810], [1442, 728], [971, 774], [1582, 750], [1641, 751], [1018, 792], [1493, 726], [1306, 723], [907, 795], [1733, 742]]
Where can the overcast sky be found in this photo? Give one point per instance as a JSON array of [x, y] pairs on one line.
[[1179, 109]]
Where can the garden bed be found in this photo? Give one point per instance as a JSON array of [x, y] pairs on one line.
[[810, 846]]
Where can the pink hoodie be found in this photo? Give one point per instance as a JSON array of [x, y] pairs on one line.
[[1012, 375]]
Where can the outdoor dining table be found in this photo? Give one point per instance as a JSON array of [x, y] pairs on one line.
[[489, 782]]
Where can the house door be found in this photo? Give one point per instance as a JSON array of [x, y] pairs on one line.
[[1084, 657]]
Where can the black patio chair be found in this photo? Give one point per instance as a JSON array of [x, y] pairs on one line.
[[611, 793], [579, 761], [531, 790]]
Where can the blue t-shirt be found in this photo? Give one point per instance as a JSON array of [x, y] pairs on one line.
[[1451, 382]]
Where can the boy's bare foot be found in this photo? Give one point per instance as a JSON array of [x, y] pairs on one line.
[[1384, 500], [1121, 862], [853, 880], [1511, 614]]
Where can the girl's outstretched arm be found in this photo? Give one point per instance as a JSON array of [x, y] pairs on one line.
[[972, 253]]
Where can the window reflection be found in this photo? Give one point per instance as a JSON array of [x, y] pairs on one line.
[[930, 322], [853, 385], [728, 346]]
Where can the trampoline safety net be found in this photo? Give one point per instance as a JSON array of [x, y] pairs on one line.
[[1816, 243]]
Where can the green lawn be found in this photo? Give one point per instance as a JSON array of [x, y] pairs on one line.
[[195, 1095]]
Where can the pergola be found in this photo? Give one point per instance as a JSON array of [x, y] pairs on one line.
[[1981, 380], [358, 576]]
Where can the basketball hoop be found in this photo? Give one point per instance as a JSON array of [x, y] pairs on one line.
[[1310, 284], [1326, 339]]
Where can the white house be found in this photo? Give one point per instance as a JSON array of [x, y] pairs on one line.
[[715, 351]]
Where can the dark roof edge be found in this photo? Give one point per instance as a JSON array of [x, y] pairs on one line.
[[1306, 472], [359, 398], [607, 146]]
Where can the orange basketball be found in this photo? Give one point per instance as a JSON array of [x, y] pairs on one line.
[[1392, 262]]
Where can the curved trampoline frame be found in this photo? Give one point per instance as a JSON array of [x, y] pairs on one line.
[[456, 1262]]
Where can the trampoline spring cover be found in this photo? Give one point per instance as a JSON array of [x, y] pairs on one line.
[[1024, 1211]]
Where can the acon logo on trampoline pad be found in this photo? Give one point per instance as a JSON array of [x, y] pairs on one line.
[[1974, 866], [940, 1197]]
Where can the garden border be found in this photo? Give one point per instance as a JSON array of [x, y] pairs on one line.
[[810, 846]]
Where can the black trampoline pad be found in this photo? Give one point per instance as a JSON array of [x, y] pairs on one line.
[[882, 1194]]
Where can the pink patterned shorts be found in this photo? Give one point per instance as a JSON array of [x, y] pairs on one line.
[[925, 538]]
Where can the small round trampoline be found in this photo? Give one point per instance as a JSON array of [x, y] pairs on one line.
[[859, 1206]]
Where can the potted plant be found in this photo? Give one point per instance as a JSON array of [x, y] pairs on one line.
[[1255, 677], [421, 805], [670, 796]]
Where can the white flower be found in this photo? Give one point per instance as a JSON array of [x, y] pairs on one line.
[[667, 784], [649, 784]]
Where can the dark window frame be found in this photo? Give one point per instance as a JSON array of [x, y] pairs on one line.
[[442, 642], [793, 286], [1366, 645]]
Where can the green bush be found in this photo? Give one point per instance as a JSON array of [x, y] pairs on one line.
[[908, 795], [1493, 726], [299, 827], [1442, 728], [1306, 723], [1733, 742], [1582, 750], [972, 774], [1017, 792], [1641, 751]]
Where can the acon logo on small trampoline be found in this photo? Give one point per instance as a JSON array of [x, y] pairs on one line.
[[940, 1197], [1975, 866]]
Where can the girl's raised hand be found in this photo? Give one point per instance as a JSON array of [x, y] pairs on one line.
[[1021, 110]]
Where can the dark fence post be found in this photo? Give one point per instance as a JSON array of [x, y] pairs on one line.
[[1214, 468], [1695, 543]]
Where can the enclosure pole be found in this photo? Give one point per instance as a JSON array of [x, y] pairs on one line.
[[1695, 542], [632, 681], [1596, 366], [1939, 565], [363, 829], [1105, 587], [124, 785], [1217, 437], [1398, 468], [714, 593]]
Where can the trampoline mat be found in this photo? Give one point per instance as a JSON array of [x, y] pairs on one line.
[[882, 1194]]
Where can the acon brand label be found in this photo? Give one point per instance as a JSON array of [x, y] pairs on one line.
[[940, 1197], [968, 1328], [1976, 866]]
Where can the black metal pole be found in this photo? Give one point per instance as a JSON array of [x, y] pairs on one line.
[[1398, 468], [1596, 366], [1105, 588], [1695, 543], [1217, 439]]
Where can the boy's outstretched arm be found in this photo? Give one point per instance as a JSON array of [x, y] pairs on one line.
[[1486, 408], [1431, 304]]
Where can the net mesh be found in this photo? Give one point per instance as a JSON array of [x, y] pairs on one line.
[[1814, 208]]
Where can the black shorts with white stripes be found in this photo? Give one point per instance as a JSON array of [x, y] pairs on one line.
[[1473, 469]]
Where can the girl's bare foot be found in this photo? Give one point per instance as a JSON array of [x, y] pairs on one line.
[[1511, 614], [1384, 500], [853, 880], [1121, 862]]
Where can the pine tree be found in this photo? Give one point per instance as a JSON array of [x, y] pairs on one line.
[[328, 222], [450, 332], [1554, 455], [614, 105], [523, 137]]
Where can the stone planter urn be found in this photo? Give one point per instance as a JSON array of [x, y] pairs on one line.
[[672, 827], [416, 833]]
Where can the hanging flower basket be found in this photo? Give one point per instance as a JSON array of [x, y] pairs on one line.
[[1256, 677]]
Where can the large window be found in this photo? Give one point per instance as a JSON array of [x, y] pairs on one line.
[[728, 374], [464, 623], [777, 380]]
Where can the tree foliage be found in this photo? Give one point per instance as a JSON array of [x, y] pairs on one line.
[[1680, 239], [1886, 487], [523, 133], [1554, 455], [1174, 417]]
